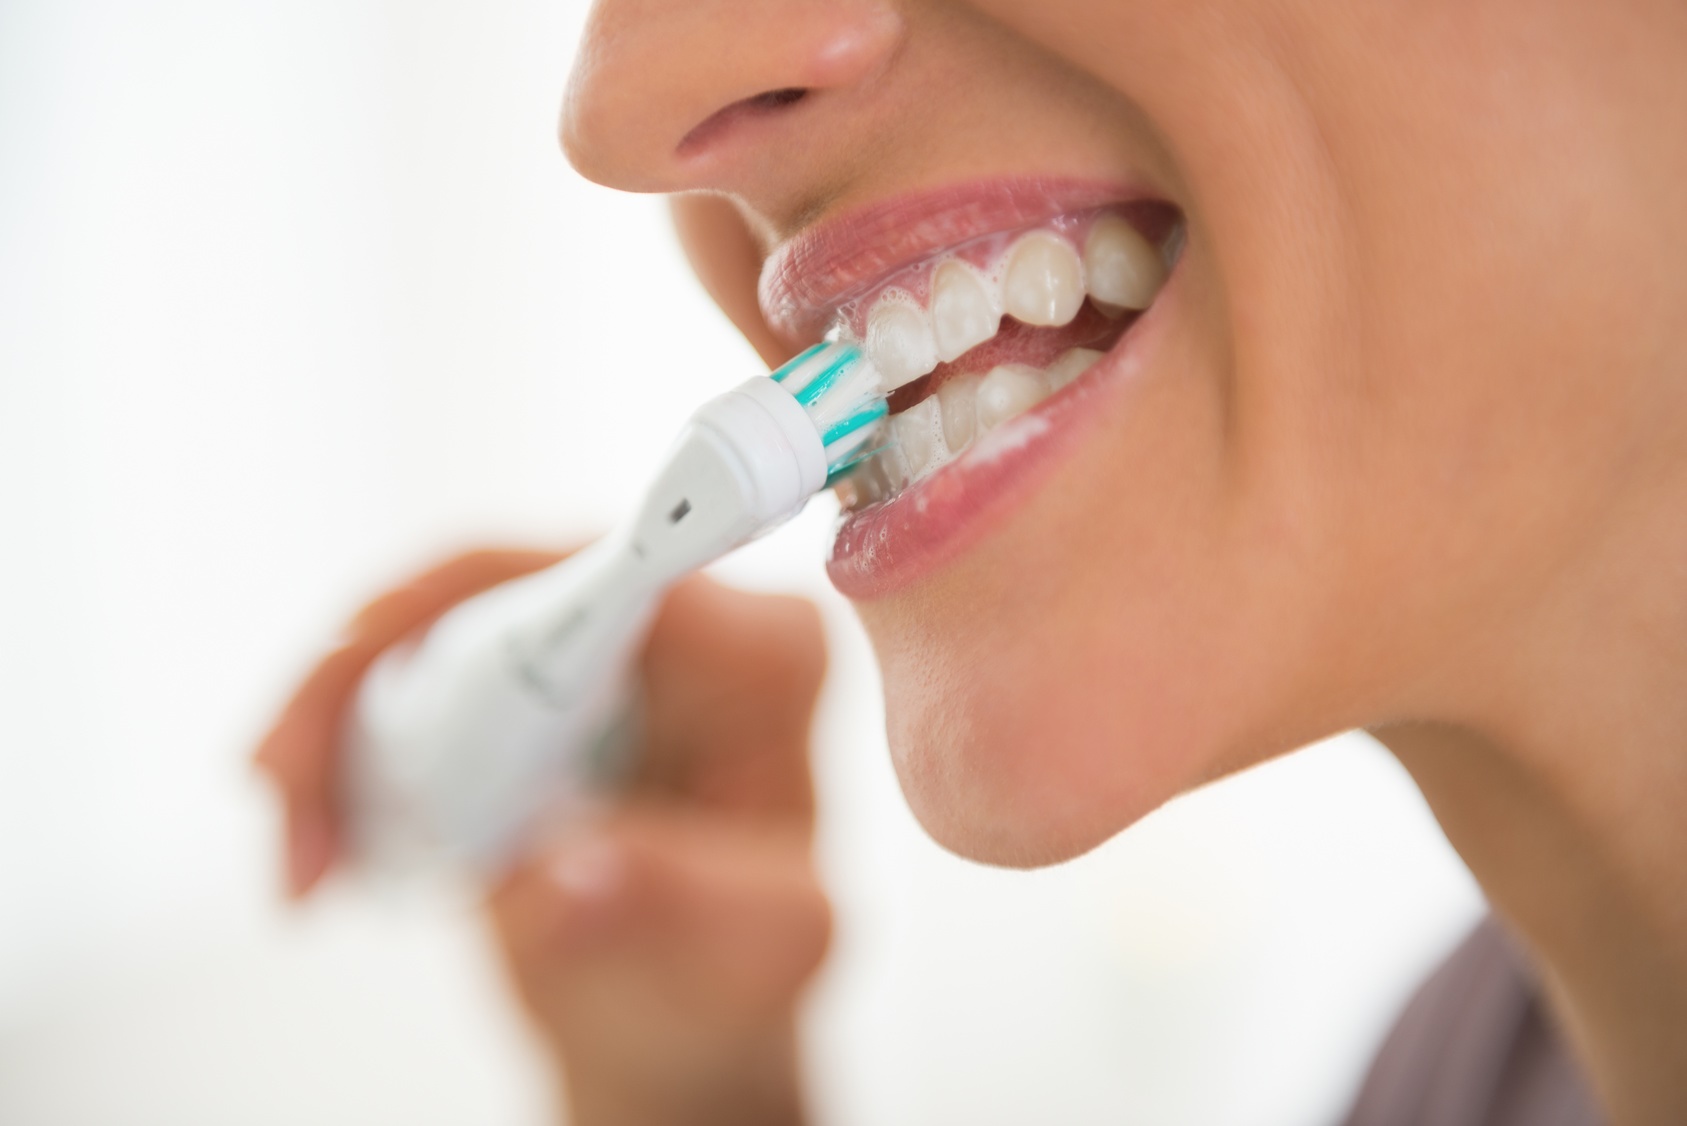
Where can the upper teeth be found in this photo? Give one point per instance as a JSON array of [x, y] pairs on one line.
[[964, 311], [1120, 266], [1041, 279], [1045, 281], [900, 340]]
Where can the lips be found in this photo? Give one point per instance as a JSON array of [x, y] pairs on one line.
[[997, 314]]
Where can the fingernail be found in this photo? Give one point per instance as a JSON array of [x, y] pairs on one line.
[[589, 869]]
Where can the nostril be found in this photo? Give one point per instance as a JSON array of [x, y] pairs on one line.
[[776, 99], [767, 102]]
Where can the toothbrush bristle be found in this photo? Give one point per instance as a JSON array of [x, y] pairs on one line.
[[839, 388]]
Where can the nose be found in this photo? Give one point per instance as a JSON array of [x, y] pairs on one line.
[[677, 95]]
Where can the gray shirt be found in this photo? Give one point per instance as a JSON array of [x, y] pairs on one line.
[[1476, 1047]]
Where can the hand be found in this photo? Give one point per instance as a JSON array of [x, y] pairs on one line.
[[661, 949]]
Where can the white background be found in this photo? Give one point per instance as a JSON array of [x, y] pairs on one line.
[[295, 296]]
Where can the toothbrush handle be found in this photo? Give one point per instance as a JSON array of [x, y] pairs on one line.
[[456, 745], [517, 702]]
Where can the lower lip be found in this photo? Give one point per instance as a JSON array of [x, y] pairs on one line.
[[887, 547]]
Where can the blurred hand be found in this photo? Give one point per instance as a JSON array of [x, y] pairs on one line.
[[661, 948]]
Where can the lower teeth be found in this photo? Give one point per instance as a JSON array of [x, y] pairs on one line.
[[941, 427]]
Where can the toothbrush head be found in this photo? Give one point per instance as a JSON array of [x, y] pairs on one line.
[[750, 459], [839, 388]]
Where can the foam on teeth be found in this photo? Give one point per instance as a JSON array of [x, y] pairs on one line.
[[919, 433], [964, 312], [899, 339]]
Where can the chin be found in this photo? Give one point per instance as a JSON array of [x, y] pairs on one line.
[[1028, 778], [1012, 757]]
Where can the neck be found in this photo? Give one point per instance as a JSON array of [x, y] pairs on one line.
[[1566, 794]]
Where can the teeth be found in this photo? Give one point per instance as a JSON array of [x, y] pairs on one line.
[[1044, 283], [1070, 366], [899, 340], [919, 433], [893, 467], [958, 403], [1036, 277], [942, 426], [962, 311], [1007, 391], [881, 476], [1123, 268]]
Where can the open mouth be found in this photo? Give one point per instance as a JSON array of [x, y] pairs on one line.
[[995, 313], [983, 331]]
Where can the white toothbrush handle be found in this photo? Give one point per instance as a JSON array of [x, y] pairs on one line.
[[454, 745]]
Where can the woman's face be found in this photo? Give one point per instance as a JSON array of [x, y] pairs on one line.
[[1404, 355]]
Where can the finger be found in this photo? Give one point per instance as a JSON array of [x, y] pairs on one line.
[[312, 841], [299, 751], [731, 681], [698, 915], [295, 751]]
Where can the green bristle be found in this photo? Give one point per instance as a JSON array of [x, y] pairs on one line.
[[839, 388]]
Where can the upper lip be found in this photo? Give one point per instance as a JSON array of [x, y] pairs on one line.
[[810, 275]]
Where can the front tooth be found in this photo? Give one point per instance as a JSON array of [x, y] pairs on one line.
[[1122, 267], [900, 342], [958, 403], [1070, 366], [1044, 283], [1008, 390], [962, 312], [919, 433]]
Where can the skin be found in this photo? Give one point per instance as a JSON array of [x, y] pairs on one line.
[[1412, 457]]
